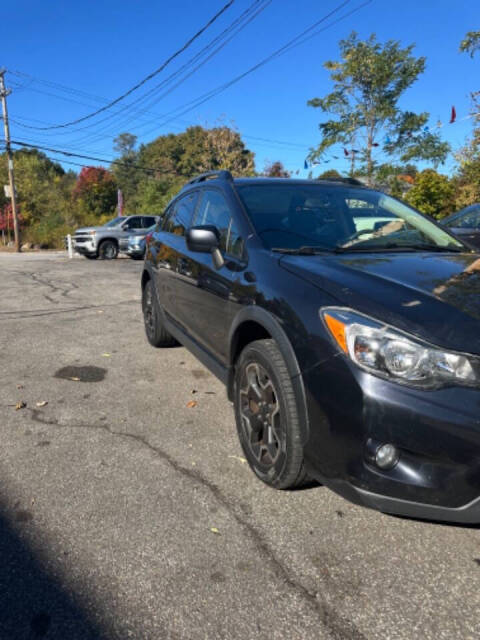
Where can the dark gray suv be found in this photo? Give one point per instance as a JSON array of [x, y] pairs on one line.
[[345, 326]]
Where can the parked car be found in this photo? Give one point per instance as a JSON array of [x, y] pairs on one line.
[[134, 244], [103, 242], [465, 224], [351, 353]]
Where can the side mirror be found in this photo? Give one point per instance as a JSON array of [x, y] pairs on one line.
[[203, 239]]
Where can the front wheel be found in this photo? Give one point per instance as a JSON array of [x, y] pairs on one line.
[[108, 250], [157, 335], [267, 417]]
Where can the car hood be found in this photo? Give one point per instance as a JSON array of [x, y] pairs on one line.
[[433, 296], [87, 229]]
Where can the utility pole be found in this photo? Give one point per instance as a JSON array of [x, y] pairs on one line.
[[11, 177]]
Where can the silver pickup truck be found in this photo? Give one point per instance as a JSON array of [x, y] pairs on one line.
[[104, 242]]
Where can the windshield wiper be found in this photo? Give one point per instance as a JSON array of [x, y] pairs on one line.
[[395, 246], [302, 251]]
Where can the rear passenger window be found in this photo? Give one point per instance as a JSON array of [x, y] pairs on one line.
[[148, 221], [179, 215], [213, 209]]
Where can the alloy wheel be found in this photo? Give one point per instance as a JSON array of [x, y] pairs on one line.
[[260, 414]]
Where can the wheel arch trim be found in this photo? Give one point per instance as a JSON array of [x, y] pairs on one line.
[[270, 324]]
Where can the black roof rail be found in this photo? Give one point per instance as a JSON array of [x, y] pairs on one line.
[[223, 175], [352, 181]]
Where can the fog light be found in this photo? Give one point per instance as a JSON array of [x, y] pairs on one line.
[[387, 456]]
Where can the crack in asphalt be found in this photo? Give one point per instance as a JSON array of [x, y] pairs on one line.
[[37, 313], [339, 627]]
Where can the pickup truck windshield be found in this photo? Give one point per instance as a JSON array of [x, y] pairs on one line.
[[115, 222], [335, 217]]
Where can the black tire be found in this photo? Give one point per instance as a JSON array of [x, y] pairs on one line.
[[267, 417], [157, 335], [91, 256], [108, 250]]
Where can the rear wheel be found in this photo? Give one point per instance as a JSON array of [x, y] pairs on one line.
[[108, 250], [267, 417], [157, 335]]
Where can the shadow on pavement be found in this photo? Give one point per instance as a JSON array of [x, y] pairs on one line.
[[32, 603]]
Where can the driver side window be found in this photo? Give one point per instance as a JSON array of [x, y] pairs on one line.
[[214, 210], [133, 223]]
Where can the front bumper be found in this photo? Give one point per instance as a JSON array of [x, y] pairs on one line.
[[84, 247], [135, 252], [437, 433]]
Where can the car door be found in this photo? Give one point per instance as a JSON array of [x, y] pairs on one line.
[[166, 242], [207, 298], [129, 227]]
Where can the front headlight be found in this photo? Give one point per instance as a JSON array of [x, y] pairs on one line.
[[392, 354], [91, 233]]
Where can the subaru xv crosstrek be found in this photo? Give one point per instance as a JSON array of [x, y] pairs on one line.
[[345, 326]]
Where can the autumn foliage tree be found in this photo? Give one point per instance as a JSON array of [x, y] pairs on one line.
[[96, 191], [276, 170]]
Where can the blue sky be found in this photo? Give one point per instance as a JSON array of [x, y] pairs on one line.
[[101, 48]]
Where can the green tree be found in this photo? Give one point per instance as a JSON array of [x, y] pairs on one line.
[[330, 174], [44, 196], [433, 194], [369, 80], [197, 150], [126, 172], [471, 43], [275, 170]]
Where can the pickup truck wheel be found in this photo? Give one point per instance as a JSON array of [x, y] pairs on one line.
[[108, 250], [157, 335], [267, 417]]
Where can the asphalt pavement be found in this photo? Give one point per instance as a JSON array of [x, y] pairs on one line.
[[127, 509]]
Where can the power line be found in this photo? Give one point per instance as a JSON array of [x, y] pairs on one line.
[[298, 40], [20, 143], [147, 78], [236, 26], [295, 42]]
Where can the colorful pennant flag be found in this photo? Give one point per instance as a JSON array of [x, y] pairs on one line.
[[453, 115]]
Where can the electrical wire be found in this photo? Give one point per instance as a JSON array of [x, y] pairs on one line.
[[149, 76], [236, 26], [295, 42], [21, 143]]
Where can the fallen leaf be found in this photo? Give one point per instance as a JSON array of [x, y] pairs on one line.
[[100, 311], [239, 458], [75, 379], [107, 355], [194, 391], [194, 464], [20, 405], [42, 404], [210, 393], [191, 404], [215, 530]]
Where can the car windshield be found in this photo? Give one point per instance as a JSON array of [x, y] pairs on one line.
[[115, 222], [330, 217], [468, 218]]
